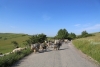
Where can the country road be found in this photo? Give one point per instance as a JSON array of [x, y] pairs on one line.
[[67, 56]]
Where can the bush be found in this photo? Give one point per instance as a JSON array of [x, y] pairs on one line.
[[7, 61], [23, 35], [5, 38], [0, 37]]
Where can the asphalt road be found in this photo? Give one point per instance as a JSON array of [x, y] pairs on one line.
[[67, 56]]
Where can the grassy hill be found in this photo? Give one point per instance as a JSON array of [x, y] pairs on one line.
[[7, 38], [89, 45]]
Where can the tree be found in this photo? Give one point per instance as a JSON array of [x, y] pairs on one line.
[[84, 34], [42, 37], [38, 38], [62, 34], [71, 36], [15, 44]]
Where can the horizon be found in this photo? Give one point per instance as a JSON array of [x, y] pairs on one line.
[[48, 16], [43, 33]]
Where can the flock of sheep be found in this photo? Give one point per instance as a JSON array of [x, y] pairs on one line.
[[37, 47]]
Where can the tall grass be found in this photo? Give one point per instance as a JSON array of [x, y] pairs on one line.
[[89, 46]]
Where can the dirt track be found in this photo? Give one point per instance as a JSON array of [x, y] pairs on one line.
[[67, 56]]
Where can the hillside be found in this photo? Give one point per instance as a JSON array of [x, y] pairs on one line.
[[7, 38]]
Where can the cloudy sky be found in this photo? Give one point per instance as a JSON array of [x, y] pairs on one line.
[[48, 16]]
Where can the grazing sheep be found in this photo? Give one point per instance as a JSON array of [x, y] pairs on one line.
[[7, 53], [17, 50]]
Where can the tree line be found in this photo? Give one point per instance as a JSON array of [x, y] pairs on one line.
[[61, 34]]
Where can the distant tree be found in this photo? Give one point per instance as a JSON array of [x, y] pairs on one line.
[[23, 35], [15, 44], [72, 36], [84, 33], [62, 34]]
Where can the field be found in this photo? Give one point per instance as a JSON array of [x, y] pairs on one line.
[[7, 38], [89, 46]]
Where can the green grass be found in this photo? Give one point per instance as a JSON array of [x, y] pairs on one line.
[[6, 46], [89, 46]]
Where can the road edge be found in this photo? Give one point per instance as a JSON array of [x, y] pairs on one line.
[[85, 55]]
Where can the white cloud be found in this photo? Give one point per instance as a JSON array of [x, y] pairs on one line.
[[88, 24], [77, 25], [96, 26], [88, 28]]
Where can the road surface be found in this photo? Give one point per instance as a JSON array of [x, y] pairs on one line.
[[67, 56]]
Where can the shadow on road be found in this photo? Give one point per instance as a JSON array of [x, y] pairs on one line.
[[64, 49], [45, 51]]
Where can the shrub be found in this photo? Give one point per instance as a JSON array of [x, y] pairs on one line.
[[0, 37], [7, 61], [5, 38]]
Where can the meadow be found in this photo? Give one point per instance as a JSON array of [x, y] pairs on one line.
[[89, 46], [7, 38]]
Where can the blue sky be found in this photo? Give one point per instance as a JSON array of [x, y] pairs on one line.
[[48, 16]]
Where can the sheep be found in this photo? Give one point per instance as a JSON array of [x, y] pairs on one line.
[[65, 40], [43, 46], [7, 53], [57, 44], [35, 47], [17, 50]]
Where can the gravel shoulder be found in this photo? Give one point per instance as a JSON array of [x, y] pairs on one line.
[[67, 56]]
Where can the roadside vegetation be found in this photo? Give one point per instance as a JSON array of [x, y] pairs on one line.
[[8, 60], [89, 46]]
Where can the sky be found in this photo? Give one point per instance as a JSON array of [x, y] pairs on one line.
[[48, 16]]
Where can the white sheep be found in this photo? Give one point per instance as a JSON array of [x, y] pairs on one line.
[[65, 40], [17, 50], [7, 53]]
